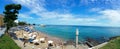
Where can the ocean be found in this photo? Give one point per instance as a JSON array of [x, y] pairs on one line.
[[65, 32]]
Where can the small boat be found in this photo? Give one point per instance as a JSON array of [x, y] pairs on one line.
[[42, 25]]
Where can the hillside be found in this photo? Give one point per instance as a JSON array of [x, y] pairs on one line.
[[7, 43], [112, 44]]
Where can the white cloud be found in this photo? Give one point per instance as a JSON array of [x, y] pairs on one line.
[[95, 9], [37, 7], [112, 15], [53, 17], [25, 16]]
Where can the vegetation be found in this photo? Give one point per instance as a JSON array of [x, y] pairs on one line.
[[29, 24], [22, 23], [34, 24], [7, 43], [113, 44], [10, 13]]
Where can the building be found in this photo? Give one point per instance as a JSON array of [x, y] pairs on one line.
[[1, 20]]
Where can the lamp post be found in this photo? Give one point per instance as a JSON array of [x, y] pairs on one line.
[[77, 33]]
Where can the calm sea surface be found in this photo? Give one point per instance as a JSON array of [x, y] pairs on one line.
[[68, 32]]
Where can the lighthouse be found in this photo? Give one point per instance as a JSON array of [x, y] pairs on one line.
[[77, 33]]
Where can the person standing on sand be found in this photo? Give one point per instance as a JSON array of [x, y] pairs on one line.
[[25, 40]]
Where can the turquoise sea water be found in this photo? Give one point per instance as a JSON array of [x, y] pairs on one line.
[[68, 32]]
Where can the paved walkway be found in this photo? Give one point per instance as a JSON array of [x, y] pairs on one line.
[[99, 46], [2, 31]]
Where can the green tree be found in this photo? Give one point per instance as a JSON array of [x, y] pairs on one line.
[[22, 23], [34, 24], [29, 24], [10, 13]]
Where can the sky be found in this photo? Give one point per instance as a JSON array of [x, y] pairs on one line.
[[68, 12]]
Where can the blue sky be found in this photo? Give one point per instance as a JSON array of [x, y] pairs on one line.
[[68, 12]]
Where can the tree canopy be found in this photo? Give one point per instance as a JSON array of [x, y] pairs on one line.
[[22, 23], [11, 12]]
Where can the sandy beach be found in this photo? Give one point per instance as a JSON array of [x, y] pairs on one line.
[[57, 43], [48, 37]]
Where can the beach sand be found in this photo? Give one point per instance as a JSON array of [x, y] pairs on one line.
[[57, 42], [55, 39]]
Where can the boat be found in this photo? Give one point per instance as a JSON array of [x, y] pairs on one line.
[[42, 25]]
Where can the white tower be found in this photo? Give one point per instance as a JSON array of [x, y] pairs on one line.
[[77, 33]]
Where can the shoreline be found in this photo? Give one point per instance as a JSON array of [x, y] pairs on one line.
[[49, 37], [57, 42]]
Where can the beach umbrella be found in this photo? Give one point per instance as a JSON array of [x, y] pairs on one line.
[[39, 48], [24, 34], [42, 39], [26, 29], [34, 36], [50, 41], [33, 47], [30, 37], [36, 40], [89, 48], [30, 31], [30, 34], [15, 32]]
